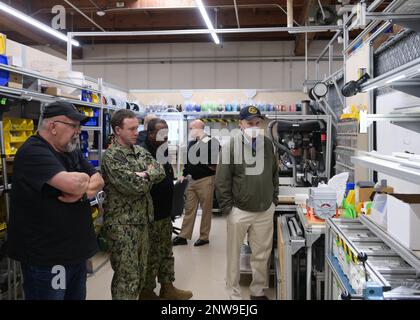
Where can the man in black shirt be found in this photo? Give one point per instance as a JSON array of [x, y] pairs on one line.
[[201, 166], [50, 229], [160, 259]]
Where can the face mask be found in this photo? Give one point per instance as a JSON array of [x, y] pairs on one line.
[[252, 132]]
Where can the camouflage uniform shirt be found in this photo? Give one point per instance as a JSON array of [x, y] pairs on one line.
[[128, 199]]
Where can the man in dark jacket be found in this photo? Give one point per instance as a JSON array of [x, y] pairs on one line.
[[247, 191], [143, 134], [160, 258]]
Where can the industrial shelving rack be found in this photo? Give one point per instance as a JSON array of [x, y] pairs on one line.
[[389, 264], [405, 78]]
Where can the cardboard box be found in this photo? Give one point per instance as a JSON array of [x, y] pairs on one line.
[[15, 81], [364, 194], [403, 211], [53, 91]]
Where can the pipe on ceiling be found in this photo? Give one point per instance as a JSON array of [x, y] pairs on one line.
[[289, 13], [327, 28], [84, 15], [236, 12]]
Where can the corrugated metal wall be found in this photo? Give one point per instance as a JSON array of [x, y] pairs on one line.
[[398, 54]]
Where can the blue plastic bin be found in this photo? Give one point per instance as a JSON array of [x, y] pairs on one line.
[[4, 74]]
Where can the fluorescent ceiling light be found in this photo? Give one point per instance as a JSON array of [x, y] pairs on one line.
[[25, 18], [396, 78], [206, 18]]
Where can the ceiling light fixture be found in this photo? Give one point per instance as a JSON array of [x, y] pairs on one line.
[[100, 13], [206, 19], [25, 18]]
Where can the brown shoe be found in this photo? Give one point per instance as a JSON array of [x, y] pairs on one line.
[[169, 292], [148, 295]]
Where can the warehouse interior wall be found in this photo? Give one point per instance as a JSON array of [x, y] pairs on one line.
[[149, 66], [216, 96]]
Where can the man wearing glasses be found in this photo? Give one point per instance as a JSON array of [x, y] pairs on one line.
[[50, 229]]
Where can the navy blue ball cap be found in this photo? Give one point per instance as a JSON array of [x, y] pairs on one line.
[[62, 108], [250, 112]]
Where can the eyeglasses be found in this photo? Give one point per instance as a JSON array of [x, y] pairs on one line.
[[73, 125]]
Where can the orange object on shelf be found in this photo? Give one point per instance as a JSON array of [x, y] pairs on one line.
[[313, 219]]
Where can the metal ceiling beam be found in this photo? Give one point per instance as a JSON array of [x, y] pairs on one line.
[[206, 31], [181, 60]]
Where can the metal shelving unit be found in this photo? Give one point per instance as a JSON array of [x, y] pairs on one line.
[[409, 120], [312, 233], [388, 167], [387, 264], [289, 245], [413, 258]]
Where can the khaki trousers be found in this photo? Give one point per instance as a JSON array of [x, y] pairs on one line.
[[199, 192], [259, 226]]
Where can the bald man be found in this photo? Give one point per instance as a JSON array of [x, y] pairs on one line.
[[201, 164], [142, 137]]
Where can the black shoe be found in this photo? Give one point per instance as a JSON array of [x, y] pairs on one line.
[[200, 242], [259, 298], [178, 241]]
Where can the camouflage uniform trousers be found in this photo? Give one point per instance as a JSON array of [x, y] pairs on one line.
[[129, 246], [160, 261]]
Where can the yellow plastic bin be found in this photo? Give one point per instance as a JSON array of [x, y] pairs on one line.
[[2, 43]]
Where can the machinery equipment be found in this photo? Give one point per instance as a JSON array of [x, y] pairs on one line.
[[302, 146], [354, 87], [323, 201]]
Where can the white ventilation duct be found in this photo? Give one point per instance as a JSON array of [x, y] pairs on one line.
[[289, 13]]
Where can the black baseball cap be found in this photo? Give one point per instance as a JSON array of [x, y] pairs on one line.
[[250, 112], [62, 108]]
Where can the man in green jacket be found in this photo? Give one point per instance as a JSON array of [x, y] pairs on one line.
[[129, 172], [247, 189]]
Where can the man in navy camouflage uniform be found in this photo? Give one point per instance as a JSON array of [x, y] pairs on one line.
[[129, 172]]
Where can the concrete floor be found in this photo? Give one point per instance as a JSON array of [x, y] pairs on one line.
[[199, 269]]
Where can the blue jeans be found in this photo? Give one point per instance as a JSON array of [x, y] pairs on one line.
[[61, 283]]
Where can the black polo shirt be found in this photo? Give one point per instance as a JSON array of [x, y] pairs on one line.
[[202, 170], [43, 230]]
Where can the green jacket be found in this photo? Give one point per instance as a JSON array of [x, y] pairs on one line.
[[236, 187], [127, 196]]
